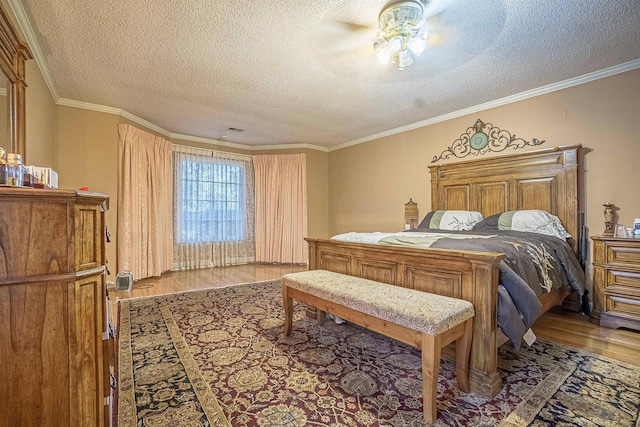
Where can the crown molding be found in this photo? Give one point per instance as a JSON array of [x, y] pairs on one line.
[[111, 110], [145, 123], [88, 106], [289, 147], [248, 147], [575, 81]]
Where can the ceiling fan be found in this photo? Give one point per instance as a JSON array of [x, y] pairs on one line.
[[401, 35], [403, 32]]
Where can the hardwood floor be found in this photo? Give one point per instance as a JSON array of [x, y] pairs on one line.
[[575, 330], [570, 329], [203, 278]]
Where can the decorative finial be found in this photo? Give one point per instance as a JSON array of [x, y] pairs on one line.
[[411, 214], [608, 219]]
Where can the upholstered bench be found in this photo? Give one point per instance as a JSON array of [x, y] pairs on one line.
[[426, 321]]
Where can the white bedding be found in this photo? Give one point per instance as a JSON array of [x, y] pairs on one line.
[[376, 236], [404, 238]]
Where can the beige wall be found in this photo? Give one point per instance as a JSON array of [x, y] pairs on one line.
[[86, 149], [40, 119], [369, 183]]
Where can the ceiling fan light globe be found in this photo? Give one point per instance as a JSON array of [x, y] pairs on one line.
[[405, 59], [384, 56], [395, 44], [417, 46]]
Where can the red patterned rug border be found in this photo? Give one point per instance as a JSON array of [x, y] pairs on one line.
[[210, 404]]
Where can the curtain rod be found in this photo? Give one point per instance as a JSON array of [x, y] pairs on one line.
[[225, 153]]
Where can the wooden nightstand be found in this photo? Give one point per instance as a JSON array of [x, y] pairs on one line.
[[616, 282]]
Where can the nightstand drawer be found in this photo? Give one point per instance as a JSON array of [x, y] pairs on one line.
[[624, 253], [625, 279], [622, 304]]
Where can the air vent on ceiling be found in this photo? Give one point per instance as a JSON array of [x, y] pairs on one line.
[[235, 129]]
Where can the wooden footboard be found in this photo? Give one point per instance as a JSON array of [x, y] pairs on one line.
[[472, 276]]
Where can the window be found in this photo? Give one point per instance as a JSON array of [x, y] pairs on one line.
[[212, 202], [213, 208]]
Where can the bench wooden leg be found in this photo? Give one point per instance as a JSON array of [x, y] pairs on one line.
[[288, 310], [431, 348], [463, 350]]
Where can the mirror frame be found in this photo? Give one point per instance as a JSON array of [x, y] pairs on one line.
[[13, 54]]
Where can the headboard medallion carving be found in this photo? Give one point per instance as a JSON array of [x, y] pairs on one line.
[[482, 138]]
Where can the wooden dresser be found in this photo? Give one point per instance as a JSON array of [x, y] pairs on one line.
[[54, 339], [616, 282]]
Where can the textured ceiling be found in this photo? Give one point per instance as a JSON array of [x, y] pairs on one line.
[[305, 71]]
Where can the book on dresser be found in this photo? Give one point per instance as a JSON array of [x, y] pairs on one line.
[[55, 346], [616, 282]]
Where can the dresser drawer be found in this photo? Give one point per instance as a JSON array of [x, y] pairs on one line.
[[623, 279], [623, 253], [622, 303]]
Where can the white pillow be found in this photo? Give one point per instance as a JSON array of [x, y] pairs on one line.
[[454, 220], [533, 221]]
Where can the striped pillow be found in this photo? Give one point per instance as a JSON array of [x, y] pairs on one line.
[[451, 220], [533, 221]]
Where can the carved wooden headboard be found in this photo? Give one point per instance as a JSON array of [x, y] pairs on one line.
[[542, 179]]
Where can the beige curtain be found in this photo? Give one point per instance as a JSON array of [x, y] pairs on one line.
[[145, 194], [213, 208], [281, 208]]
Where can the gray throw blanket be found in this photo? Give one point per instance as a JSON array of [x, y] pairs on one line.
[[534, 264]]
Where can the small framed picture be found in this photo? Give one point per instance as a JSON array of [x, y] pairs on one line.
[[620, 231]]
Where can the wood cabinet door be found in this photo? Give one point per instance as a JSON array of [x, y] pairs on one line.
[[88, 246], [87, 328], [34, 354]]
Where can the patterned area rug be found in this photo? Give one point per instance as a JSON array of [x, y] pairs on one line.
[[218, 358]]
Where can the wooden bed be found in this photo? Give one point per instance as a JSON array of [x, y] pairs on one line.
[[542, 179]]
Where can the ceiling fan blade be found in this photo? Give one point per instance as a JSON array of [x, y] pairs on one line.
[[352, 26], [344, 38]]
